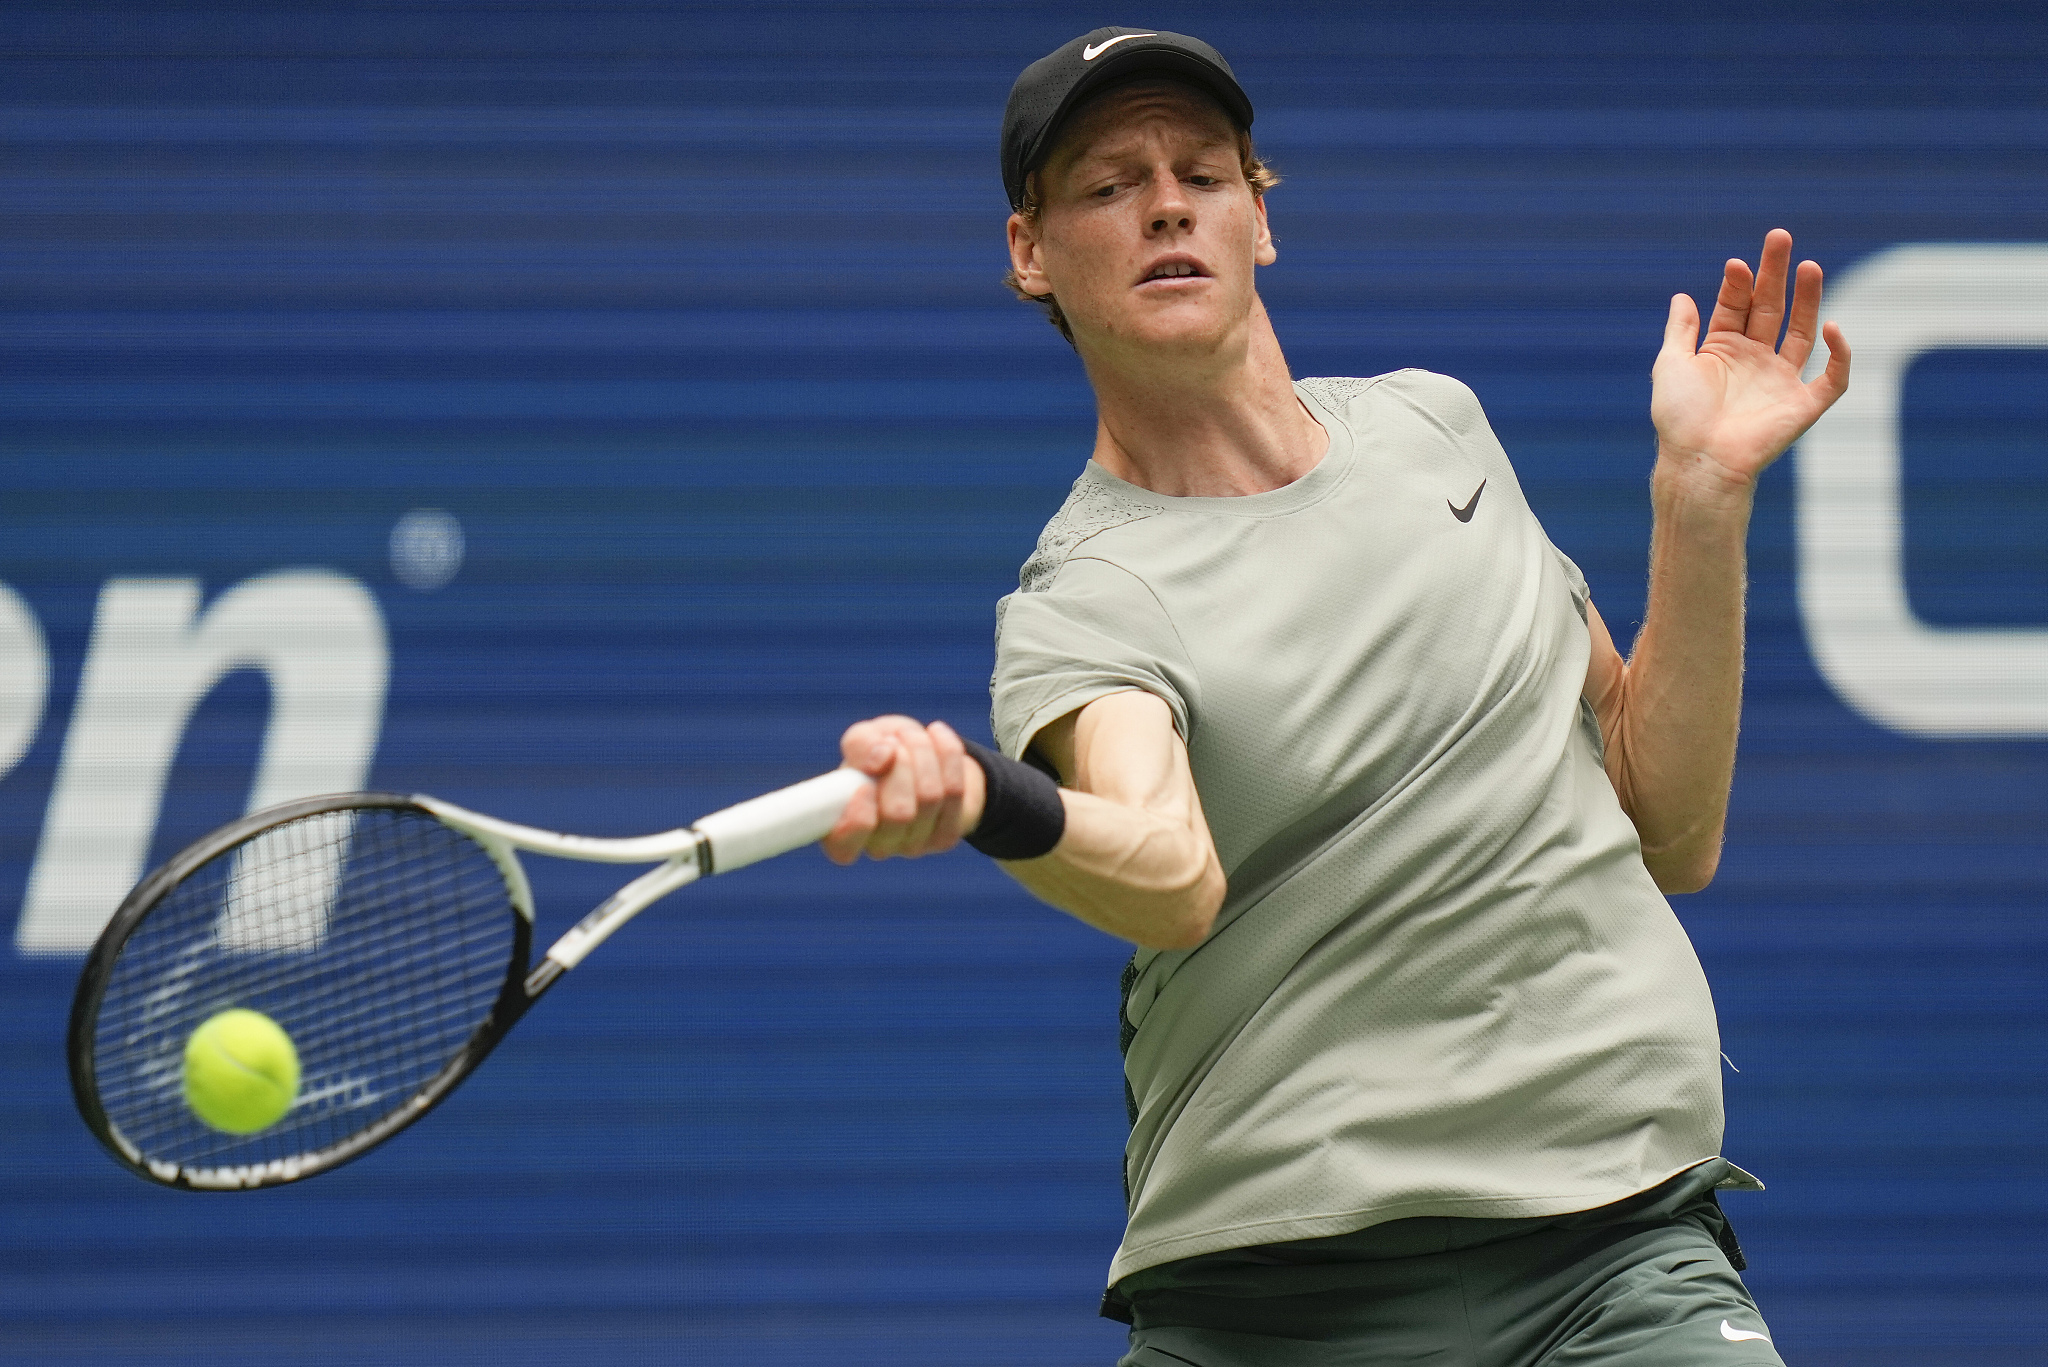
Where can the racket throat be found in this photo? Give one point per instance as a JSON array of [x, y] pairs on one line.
[[617, 909], [543, 977]]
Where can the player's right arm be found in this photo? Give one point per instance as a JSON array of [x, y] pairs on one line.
[[1135, 860]]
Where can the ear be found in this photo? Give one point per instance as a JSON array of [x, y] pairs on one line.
[[1265, 252], [1024, 256]]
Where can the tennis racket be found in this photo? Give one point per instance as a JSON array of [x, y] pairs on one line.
[[388, 935]]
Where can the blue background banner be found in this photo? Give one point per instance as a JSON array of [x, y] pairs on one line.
[[687, 318]]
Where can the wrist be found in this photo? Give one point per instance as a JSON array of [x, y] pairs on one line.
[[1696, 483], [1022, 815], [973, 796]]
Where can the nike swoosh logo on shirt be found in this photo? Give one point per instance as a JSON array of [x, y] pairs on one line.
[[1089, 54], [1464, 514], [1734, 1335]]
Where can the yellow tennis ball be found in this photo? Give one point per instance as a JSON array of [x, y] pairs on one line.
[[241, 1072]]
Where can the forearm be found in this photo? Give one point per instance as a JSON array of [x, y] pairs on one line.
[[1725, 407], [1671, 752], [1123, 846], [1140, 875], [1136, 858]]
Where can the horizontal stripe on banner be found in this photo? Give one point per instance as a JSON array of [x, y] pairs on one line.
[[1554, 302], [493, 400], [824, 128]]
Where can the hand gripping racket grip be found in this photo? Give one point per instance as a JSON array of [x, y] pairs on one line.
[[778, 822]]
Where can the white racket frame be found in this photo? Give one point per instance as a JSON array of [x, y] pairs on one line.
[[759, 828], [730, 839]]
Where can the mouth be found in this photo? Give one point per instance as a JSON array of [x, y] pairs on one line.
[[1174, 268]]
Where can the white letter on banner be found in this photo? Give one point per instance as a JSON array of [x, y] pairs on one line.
[[24, 678], [318, 636], [1884, 661]]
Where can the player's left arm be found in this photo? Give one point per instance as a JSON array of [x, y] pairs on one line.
[[1724, 410]]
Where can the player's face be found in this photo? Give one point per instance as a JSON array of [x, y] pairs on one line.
[[1148, 232]]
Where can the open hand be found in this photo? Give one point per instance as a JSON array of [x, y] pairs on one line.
[[1730, 405]]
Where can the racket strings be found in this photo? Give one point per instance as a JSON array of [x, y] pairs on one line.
[[377, 937]]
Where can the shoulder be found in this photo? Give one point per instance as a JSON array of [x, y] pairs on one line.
[[1083, 594], [1438, 399], [1093, 507]]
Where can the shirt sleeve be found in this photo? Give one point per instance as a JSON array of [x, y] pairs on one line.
[[1097, 629], [1581, 595]]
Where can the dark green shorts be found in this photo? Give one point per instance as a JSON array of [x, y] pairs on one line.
[[1646, 1283]]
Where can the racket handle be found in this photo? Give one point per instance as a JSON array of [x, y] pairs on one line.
[[778, 822]]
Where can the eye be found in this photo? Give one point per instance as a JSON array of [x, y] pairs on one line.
[[1105, 192], [1202, 180]]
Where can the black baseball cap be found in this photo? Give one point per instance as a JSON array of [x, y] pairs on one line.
[[1053, 86]]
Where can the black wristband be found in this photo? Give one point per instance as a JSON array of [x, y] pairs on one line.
[[1022, 816]]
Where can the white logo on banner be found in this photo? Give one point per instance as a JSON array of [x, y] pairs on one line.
[[24, 678], [426, 549], [1882, 659], [318, 636]]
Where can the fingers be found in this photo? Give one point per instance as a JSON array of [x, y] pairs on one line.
[[847, 839], [953, 764], [865, 746], [1833, 382], [1799, 333], [1731, 306], [920, 786], [1681, 328], [1767, 299], [927, 790], [896, 803]]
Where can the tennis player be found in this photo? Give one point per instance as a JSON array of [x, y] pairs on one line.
[[1421, 1067]]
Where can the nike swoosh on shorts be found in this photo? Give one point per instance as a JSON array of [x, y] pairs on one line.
[[1734, 1335]]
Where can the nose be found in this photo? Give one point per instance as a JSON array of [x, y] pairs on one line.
[[1171, 209]]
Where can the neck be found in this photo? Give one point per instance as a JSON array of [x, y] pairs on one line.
[[1219, 425]]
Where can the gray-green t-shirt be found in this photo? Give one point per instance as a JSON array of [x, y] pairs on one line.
[[1442, 981]]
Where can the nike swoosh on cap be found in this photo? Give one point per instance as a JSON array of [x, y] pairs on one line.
[[1734, 1335], [1090, 53]]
